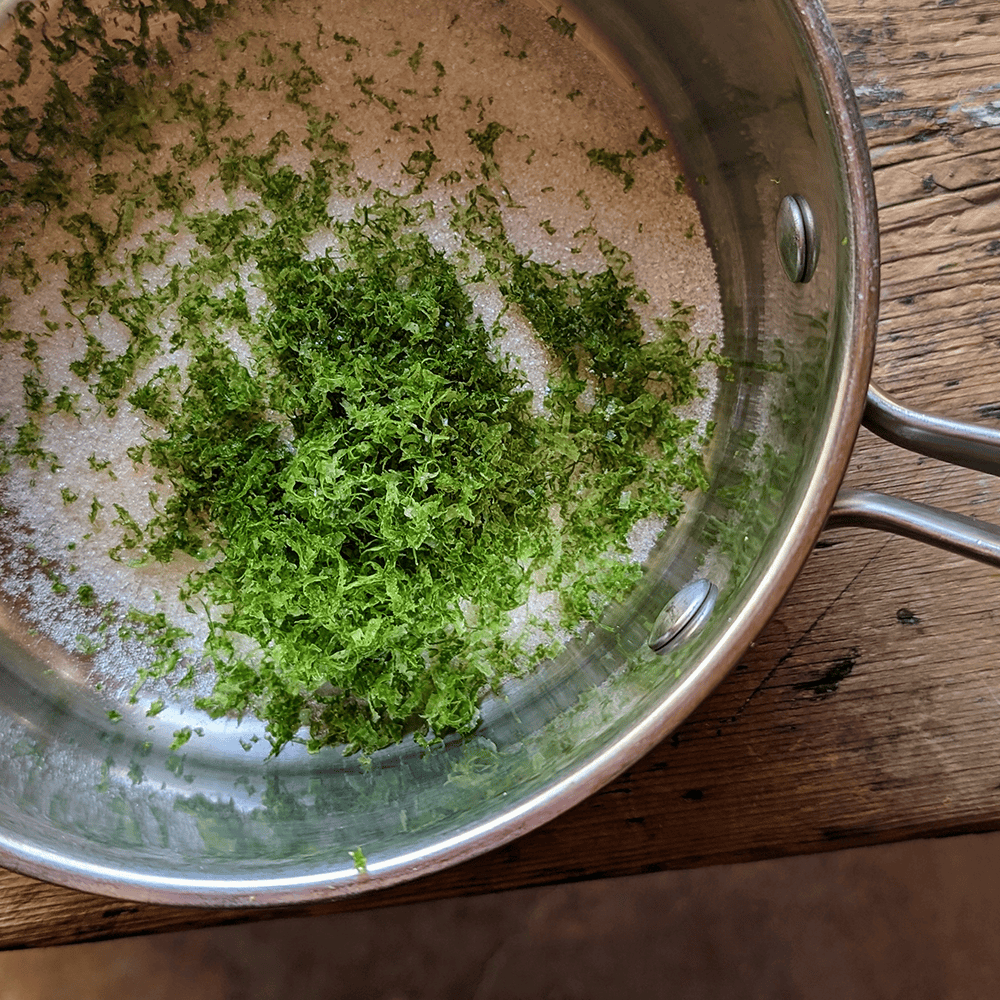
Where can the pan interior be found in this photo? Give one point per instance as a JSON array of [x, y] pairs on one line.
[[114, 804]]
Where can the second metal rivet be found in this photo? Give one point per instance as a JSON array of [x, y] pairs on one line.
[[797, 239]]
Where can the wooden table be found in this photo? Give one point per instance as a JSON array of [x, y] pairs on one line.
[[869, 709]]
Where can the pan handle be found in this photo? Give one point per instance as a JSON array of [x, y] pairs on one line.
[[961, 444], [951, 441]]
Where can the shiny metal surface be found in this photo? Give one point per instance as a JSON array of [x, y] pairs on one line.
[[797, 238], [686, 614], [952, 441], [759, 106], [965, 536], [968, 445]]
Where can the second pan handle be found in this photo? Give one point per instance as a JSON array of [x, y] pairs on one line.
[[968, 445]]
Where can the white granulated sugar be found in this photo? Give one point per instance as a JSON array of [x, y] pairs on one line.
[[402, 85]]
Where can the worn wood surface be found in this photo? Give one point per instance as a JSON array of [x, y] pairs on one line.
[[869, 708]]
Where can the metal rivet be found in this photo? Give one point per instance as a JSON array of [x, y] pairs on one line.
[[798, 241], [684, 616]]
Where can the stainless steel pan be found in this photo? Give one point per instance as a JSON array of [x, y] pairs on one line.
[[760, 107]]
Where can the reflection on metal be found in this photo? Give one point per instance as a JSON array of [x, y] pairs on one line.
[[684, 616], [797, 238]]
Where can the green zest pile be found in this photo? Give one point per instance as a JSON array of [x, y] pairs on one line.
[[356, 465]]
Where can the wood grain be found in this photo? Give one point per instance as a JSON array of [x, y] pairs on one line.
[[869, 708]]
